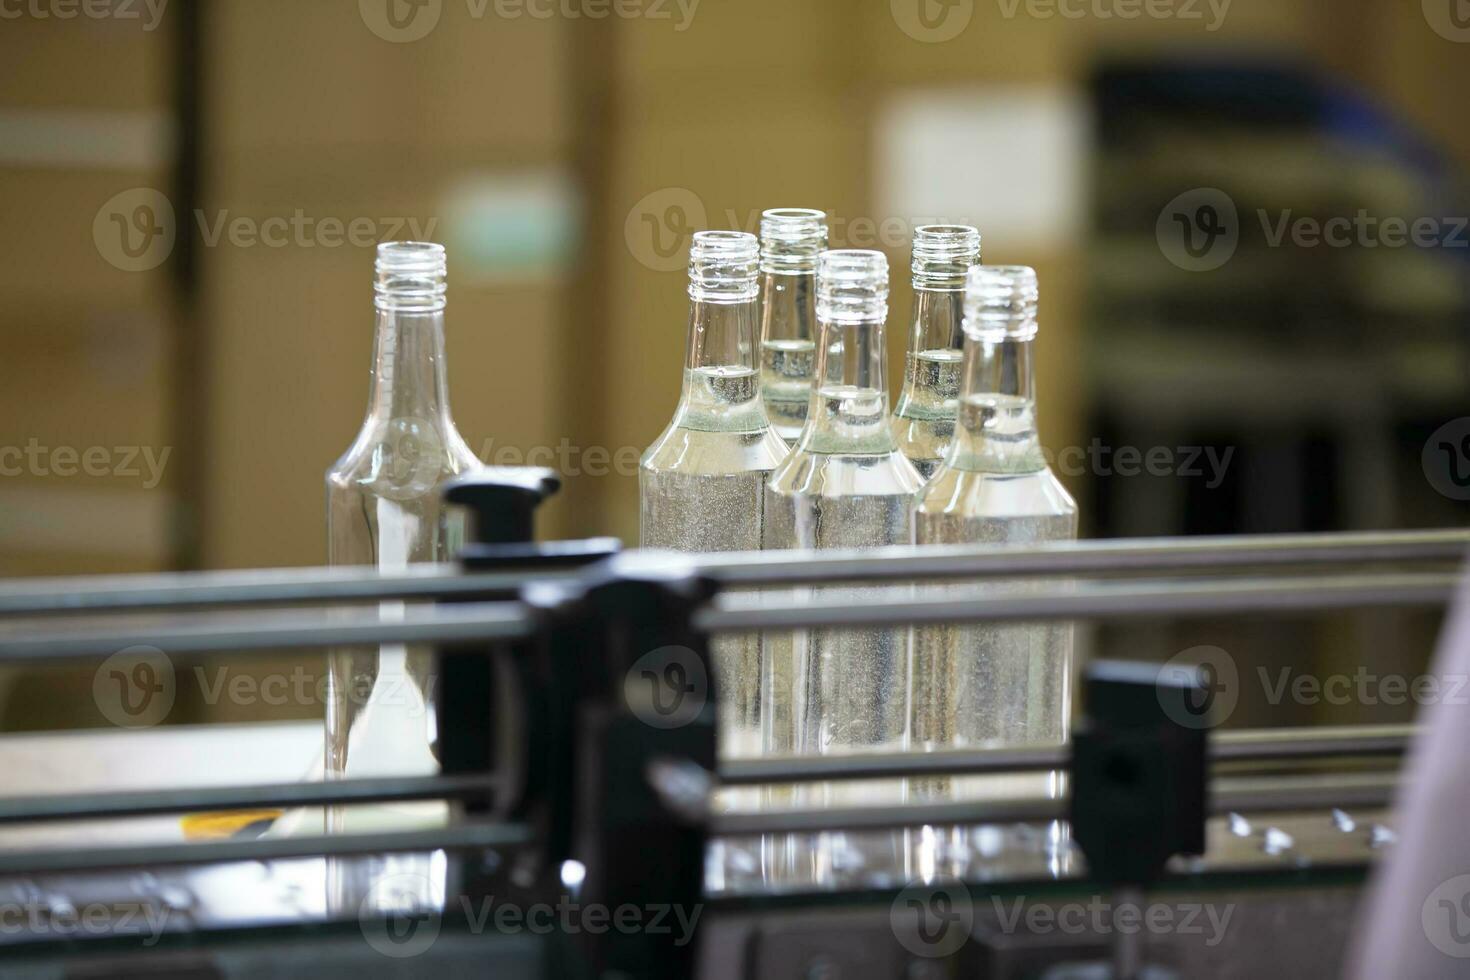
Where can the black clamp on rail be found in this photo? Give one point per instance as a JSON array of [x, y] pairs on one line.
[[1139, 771], [626, 748], [491, 713]]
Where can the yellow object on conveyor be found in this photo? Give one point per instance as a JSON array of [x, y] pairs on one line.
[[230, 823]]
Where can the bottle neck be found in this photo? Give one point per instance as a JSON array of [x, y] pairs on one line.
[[721, 336], [849, 407], [789, 307], [938, 321], [996, 430], [409, 379], [931, 376], [721, 390]]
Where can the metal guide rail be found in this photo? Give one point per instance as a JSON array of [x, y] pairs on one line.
[[546, 762]]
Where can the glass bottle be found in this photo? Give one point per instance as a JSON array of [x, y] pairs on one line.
[[791, 239], [845, 485], [924, 419], [986, 685], [384, 509], [701, 481]]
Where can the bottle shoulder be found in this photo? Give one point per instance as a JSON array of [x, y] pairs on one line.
[[402, 458], [973, 493], [681, 449], [806, 473]]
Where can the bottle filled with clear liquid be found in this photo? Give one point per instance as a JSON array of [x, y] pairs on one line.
[[702, 480], [988, 685], [845, 485], [384, 509], [791, 239], [924, 419]]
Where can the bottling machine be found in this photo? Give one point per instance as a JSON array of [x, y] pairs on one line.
[[596, 832]]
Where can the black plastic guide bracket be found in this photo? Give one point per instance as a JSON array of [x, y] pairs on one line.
[[1139, 780]]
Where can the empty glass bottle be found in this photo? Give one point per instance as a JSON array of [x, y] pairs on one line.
[[999, 684], [924, 419], [791, 239], [701, 481], [384, 509]]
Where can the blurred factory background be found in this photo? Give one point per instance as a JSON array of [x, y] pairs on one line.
[[191, 190]]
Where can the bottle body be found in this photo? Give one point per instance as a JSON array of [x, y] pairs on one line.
[[385, 509], [984, 685], [845, 485], [791, 239], [924, 417], [701, 482]]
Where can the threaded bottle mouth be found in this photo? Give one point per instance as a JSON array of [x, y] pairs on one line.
[[723, 267], [410, 276], [852, 286], [1000, 302], [791, 239], [943, 255]]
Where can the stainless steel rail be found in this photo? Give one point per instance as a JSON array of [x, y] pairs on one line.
[[465, 837], [447, 624], [743, 612], [1260, 745], [1084, 557], [1274, 795], [145, 803], [480, 622], [328, 585]]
